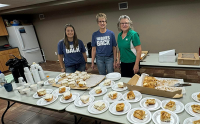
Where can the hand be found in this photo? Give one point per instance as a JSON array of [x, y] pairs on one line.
[[114, 65], [86, 66], [92, 66], [62, 70], [136, 69], [118, 64]]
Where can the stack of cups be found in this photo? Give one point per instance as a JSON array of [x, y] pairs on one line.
[[41, 72], [21, 81], [28, 75]]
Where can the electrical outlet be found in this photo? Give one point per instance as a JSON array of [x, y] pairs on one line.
[[56, 53]]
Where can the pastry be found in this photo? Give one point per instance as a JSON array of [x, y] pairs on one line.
[[70, 77], [150, 102], [85, 99], [72, 84], [48, 97], [165, 116], [112, 94], [62, 75], [77, 72], [196, 108], [196, 122], [83, 77], [130, 95], [51, 80], [65, 82], [87, 76], [73, 74], [82, 83], [120, 107], [83, 73], [107, 82], [198, 96], [99, 105], [140, 114], [41, 92], [67, 95], [62, 89], [70, 80], [97, 90], [77, 81], [120, 85], [150, 82], [171, 105], [75, 77]]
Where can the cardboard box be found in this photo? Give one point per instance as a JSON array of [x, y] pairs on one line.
[[167, 56], [143, 55], [188, 59], [132, 86]]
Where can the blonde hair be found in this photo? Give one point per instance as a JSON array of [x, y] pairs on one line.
[[124, 17], [101, 15]]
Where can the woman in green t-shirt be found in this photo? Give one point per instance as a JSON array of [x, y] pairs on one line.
[[129, 45]]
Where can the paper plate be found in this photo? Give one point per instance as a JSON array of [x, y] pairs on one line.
[[190, 120], [179, 105], [93, 93], [112, 108], [150, 107], [194, 96], [156, 118], [113, 76], [188, 109], [79, 103], [135, 120], [102, 84], [138, 97], [43, 102], [116, 88], [74, 96], [92, 110], [56, 91], [48, 91], [119, 97]]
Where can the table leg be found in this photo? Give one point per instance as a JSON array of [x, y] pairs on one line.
[[8, 106], [77, 121]]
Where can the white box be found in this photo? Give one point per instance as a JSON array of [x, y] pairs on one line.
[[167, 56]]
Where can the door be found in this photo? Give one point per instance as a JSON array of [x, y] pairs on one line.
[[27, 37], [33, 55]]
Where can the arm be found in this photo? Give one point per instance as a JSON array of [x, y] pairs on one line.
[[136, 66], [85, 57], [118, 58], [60, 58], [115, 54], [93, 56]]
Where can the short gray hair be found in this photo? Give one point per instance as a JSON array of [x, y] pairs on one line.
[[124, 17]]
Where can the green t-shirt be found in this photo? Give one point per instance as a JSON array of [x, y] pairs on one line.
[[126, 46]]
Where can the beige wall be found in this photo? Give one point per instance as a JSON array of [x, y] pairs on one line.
[[3, 40], [161, 25]]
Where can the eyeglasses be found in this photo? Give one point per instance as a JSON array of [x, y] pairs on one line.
[[101, 21], [126, 23]]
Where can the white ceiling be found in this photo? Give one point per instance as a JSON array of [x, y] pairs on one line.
[[21, 3]]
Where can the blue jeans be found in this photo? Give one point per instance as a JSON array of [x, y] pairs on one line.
[[78, 67], [104, 63]]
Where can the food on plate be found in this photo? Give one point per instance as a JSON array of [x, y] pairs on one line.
[[65, 82], [76, 77], [83, 73], [198, 96], [77, 81], [165, 116], [171, 105], [120, 107], [73, 74], [70, 80], [77, 72], [62, 89], [196, 108], [51, 80], [196, 122], [85, 99], [48, 97], [99, 105], [150, 82], [150, 102], [82, 83], [130, 95], [72, 84], [120, 85], [41, 92], [67, 95], [140, 114], [62, 75], [83, 77], [112, 94], [87, 76], [97, 90], [107, 82]]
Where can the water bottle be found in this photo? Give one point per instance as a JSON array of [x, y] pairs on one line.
[[2, 79]]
